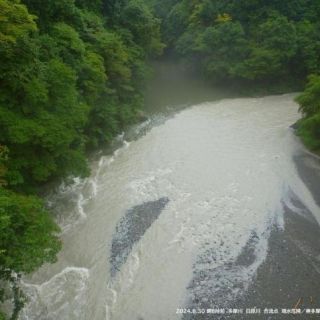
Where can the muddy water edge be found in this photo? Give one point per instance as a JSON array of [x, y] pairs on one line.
[[210, 203]]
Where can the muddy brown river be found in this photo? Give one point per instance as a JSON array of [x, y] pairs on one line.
[[180, 214]]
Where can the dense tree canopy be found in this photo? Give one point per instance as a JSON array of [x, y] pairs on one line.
[[71, 75], [255, 41], [309, 125], [60, 78], [264, 46]]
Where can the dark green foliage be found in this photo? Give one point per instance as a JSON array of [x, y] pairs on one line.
[[15, 22], [255, 42], [92, 5], [53, 11], [26, 236], [222, 60], [267, 45], [70, 79], [144, 27], [72, 73], [309, 125], [273, 47], [3, 165], [71, 85]]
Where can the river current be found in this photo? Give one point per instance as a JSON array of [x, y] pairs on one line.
[[162, 222]]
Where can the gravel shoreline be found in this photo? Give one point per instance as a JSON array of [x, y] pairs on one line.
[[289, 276]]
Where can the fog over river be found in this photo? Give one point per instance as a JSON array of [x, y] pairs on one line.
[[180, 214]]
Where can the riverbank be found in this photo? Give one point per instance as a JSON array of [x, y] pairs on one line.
[[287, 279]]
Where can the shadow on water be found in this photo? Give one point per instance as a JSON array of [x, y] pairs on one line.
[[173, 89], [131, 228]]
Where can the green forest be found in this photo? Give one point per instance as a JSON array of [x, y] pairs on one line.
[[72, 76]]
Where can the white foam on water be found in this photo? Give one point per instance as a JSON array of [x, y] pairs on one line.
[[61, 297], [76, 195], [226, 169], [123, 282]]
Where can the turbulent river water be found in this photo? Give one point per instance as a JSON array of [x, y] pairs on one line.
[[162, 222]]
